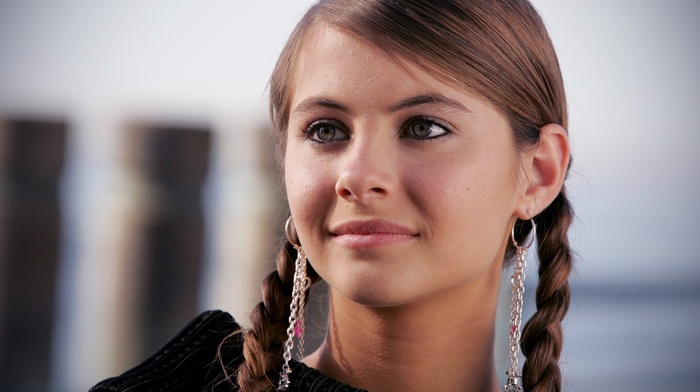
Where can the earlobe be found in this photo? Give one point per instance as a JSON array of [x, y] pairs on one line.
[[548, 167]]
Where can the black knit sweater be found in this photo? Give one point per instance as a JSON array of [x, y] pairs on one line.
[[189, 363]]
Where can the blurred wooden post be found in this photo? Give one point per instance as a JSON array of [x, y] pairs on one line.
[[31, 161], [173, 162]]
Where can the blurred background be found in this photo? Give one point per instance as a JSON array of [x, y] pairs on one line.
[[137, 182]]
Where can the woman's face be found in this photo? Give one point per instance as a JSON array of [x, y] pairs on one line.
[[400, 186]]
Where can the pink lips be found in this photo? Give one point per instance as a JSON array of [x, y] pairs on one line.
[[372, 233]]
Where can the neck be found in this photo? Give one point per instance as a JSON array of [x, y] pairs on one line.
[[443, 343]]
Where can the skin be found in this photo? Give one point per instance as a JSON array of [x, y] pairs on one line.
[[403, 190]]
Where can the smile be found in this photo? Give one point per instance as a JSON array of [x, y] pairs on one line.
[[373, 233]]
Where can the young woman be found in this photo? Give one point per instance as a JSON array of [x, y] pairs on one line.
[[422, 141]]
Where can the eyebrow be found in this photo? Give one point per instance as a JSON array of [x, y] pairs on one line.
[[312, 103], [427, 99]]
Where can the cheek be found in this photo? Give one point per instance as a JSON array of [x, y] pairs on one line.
[[467, 203], [442, 187], [310, 188]]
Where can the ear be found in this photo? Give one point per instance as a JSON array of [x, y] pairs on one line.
[[546, 170]]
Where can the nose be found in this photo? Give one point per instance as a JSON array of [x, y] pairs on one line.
[[367, 171]]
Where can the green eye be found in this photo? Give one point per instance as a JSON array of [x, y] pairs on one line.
[[326, 131], [423, 128]]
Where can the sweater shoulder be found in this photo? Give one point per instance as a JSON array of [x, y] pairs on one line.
[[188, 362]]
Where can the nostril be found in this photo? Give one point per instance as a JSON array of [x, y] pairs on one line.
[[357, 182], [344, 192]]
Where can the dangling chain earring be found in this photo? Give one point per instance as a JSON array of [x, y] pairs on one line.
[[296, 316], [517, 281]]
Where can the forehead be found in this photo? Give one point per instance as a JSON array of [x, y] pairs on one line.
[[332, 54], [331, 61]]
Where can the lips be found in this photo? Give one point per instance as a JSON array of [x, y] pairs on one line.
[[372, 233]]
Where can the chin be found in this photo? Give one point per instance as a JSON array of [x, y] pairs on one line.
[[376, 282], [373, 293]]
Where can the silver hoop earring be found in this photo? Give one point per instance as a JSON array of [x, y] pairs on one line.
[[517, 282], [296, 316]]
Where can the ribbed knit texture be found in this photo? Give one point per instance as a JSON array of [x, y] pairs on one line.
[[188, 362]]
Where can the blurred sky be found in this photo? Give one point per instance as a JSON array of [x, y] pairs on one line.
[[630, 68]]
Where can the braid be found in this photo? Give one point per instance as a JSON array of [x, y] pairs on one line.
[[263, 343], [542, 335]]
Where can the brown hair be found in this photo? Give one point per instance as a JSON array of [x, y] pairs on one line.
[[498, 49]]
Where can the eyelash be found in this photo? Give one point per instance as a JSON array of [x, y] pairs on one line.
[[311, 131], [425, 120]]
